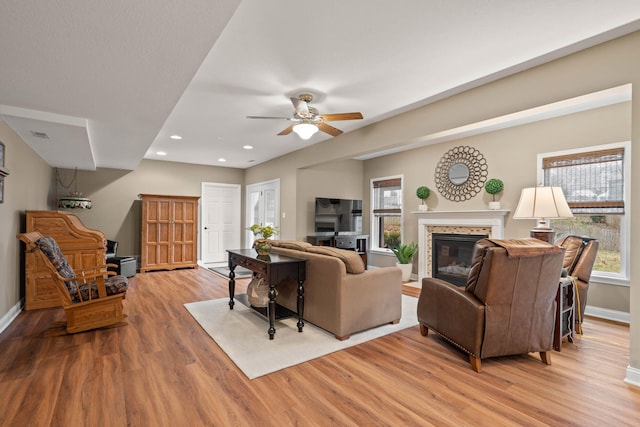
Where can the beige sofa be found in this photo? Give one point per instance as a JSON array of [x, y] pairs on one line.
[[340, 296]]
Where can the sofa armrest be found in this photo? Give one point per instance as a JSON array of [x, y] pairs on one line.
[[454, 313], [369, 299]]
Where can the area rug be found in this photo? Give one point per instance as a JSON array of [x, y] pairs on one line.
[[241, 272], [242, 334]]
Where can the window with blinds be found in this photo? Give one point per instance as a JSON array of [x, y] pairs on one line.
[[595, 181], [386, 212], [592, 181]]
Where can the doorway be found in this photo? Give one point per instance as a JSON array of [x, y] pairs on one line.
[[262, 206], [221, 221]]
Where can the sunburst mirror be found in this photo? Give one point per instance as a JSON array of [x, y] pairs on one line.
[[461, 173]]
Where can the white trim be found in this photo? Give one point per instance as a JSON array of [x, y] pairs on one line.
[[374, 244], [10, 315], [471, 218], [633, 376], [577, 104], [605, 313]]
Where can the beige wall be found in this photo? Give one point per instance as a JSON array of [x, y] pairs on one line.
[[605, 66], [511, 156], [28, 186], [340, 180], [114, 194]]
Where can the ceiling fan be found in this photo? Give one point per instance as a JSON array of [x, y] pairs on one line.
[[307, 120]]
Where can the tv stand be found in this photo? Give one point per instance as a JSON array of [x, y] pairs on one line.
[[355, 242]]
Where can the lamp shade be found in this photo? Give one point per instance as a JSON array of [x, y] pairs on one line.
[[305, 130], [542, 202]]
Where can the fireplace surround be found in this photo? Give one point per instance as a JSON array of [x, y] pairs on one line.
[[478, 222]]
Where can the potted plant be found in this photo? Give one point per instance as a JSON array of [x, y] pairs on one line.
[[423, 193], [404, 254], [262, 244], [493, 187]]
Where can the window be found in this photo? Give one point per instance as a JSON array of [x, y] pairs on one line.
[[386, 213], [595, 182]]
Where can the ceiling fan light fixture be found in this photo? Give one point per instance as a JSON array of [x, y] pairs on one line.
[[305, 130]]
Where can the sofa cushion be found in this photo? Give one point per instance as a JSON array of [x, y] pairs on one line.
[[291, 244], [351, 259]]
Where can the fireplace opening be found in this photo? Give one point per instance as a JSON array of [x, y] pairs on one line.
[[451, 256]]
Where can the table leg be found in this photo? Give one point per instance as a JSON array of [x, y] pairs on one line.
[[272, 310], [300, 306], [232, 285]]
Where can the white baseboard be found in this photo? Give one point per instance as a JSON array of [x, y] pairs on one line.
[[605, 313], [6, 320], [633, 376]]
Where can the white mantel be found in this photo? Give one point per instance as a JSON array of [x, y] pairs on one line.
[[472, 218]]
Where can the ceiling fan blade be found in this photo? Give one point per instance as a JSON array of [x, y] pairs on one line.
[[329, 129], [300, 106], [268, 117], [287, 131], [341, 116]]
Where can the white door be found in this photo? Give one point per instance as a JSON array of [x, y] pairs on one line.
[[262, 207], [220, 220]]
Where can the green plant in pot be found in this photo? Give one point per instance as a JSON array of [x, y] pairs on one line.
[[404, 254], [493, 187], [262, 244], [423, 193]]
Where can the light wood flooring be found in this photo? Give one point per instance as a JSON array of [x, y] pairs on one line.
[[162, 369]]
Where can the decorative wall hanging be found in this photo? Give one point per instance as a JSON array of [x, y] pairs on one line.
[[461, 173]]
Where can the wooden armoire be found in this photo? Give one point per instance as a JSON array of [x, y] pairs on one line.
[[169, 232], [81, 246]]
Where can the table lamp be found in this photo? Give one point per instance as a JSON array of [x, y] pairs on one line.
[[541, 203]]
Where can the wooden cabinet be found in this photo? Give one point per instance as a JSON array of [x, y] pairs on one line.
[[169, 232], [81, 246]]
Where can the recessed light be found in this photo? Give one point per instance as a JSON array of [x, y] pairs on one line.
[[161, 153], [175, 137], [222, 160], [248, 147]]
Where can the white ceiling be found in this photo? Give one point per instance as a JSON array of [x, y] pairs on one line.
[[109, 82]]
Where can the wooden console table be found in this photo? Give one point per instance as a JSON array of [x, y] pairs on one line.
[[565, 312], [274, 268]]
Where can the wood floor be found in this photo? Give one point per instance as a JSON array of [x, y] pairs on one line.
[[162, 369]]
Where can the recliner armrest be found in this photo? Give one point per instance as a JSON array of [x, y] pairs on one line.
[[453, 312]]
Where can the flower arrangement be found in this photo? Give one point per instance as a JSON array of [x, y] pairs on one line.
[[263, 232]]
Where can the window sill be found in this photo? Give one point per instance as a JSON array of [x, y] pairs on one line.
[[609, 280], [379, 251]]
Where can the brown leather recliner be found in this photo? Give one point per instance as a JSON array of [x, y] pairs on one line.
[[508, 305], [579, 257]]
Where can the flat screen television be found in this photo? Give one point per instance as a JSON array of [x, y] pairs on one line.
[[338, 216]]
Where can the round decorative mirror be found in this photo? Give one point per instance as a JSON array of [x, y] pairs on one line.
[[458, 173], [461, 173]]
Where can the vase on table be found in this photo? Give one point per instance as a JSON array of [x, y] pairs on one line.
[[262, 246]]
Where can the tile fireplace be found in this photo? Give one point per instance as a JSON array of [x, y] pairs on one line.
[[451, 256], [488, 223]]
